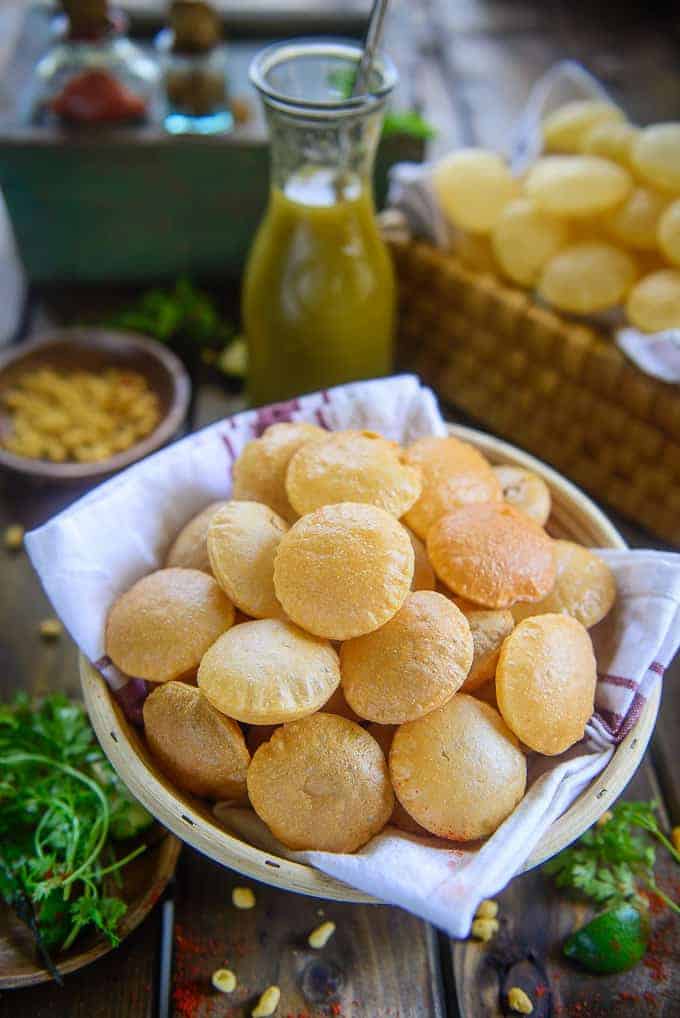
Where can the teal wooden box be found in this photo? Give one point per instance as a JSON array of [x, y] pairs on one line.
[[138, 204]]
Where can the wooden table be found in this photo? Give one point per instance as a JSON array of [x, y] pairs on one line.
[[468, 66]]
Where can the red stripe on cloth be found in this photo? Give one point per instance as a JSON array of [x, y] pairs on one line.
[[609, 718], [657, 667], [632, 716], [617, 680], [230, 448], [322, 419]]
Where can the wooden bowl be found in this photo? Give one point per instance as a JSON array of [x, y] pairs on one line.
[[144, 880], [93, 349], [573, 516]]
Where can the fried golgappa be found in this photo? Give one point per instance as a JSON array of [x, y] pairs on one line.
[[526, 491], [321, 783], [352, 466], [493, 555], [423, 573], [383, 735], [459, 771], [242, 542], [453, 474], [162, 626], [489, 628], [545, 682], [189, 550], [259, 473], [584, 587], [200, 750], [412, 664], [343, 570], [268, 672]]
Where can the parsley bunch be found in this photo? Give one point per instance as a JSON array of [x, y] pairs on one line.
[[183, 317], [612, 859], [61, 808]]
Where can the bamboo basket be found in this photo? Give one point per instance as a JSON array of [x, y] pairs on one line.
[[560, 389], [573, 516]]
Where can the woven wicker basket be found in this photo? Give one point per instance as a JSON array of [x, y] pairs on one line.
[[559, 389]]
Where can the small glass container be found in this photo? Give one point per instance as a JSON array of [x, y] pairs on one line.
[[319, 294], [94, 75], [194, 70]]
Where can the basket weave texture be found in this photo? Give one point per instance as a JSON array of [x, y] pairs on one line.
[[560, 389]]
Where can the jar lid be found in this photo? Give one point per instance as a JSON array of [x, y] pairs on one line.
[[196, 26]]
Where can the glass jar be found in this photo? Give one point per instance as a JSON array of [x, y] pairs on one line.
[[94, 74], [319, 292], [196, 88]]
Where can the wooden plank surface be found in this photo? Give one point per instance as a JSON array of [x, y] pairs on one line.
[[535, 920], [468, 67]]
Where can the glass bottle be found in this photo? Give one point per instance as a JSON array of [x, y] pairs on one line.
[[319, 292], [194, 67], [94, 74]]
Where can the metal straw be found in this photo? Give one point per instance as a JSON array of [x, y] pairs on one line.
[[373, 36]]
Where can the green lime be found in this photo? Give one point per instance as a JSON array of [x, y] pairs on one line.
[[611, 942]]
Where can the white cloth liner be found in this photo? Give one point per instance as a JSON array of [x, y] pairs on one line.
[[410, 192], [94, 550]]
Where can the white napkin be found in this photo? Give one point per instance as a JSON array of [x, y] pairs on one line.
[[411, 194], [97, 548]]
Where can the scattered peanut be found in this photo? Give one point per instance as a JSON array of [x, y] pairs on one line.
[[243, 897], [224, 980], [675, 837], [14, 537], [605, 818], [319, 937], [268, 1003], [484, 929], [487, 909], [50, 629], [519, 1001]]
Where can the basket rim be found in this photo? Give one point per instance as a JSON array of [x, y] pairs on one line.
[[178, 814]]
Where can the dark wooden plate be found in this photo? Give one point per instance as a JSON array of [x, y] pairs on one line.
[[144, 881], [93, 349]]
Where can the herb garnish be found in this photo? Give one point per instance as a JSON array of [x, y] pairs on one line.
[[612, 864], [610, 860], [61, 806]]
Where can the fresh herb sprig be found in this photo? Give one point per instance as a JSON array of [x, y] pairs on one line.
[[182, 316], [62, 807], [612, 861]]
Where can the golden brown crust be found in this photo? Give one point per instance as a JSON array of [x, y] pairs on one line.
[[454, 474], [162, 626], [200, 750], [321, 783], [189, 550], [383, 735], [260, 471], [412, 664], [526, 491], [493, 555], [423, 573], [268, 671], [584, 587], [459, 771], [343, 570], [352, 466], [242, 542], [489, 628], [545, 682]]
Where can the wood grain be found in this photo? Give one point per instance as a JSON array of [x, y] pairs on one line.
[[535, 920]]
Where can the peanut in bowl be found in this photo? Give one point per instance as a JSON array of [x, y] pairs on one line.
[[573, 517], [81, 403]]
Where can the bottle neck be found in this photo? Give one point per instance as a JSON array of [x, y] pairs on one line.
[[322, 158], [89, 20]]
